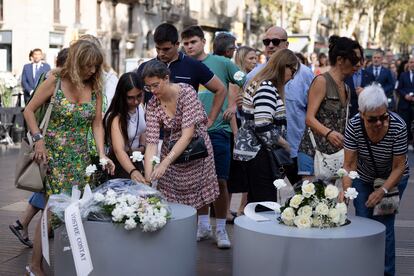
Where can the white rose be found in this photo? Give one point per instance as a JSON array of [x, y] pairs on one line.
[[351, 193], [305, 211], [331, 192], [279, 183], [288, 215], [90, 169], [98, 197], [303, 222], [341, 207], [296, 201], [322, 209], [308, 189], [334, 214], [353, 175], [130, 224], [238, 76], [342, 172], [137, 156]]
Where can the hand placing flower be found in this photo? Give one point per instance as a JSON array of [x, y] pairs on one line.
[[351, 193], [155, 161], [103, 162], [137, 156], [107, 164], [158, 171], [279, 183]]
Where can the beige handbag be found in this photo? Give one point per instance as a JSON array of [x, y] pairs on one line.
[[29, 175]]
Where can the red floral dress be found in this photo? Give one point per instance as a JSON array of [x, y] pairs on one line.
[[193, 183]]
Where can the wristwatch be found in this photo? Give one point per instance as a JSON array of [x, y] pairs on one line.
[[385, 190], [37, 137]]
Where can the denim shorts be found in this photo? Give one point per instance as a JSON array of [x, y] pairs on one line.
[[38, 200], [220, 140], [305, 164]]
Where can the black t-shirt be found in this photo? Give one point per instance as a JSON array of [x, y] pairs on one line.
[[186, 70]]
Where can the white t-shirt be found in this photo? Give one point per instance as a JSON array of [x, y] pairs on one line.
[[136, 119], [110, 82]]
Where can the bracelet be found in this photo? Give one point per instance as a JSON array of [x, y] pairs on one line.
[[384, 189], [327, 134], [133, 170]]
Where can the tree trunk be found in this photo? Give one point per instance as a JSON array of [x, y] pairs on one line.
[[314, 25]]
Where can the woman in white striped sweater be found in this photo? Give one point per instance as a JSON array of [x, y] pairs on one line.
[[264, 124]]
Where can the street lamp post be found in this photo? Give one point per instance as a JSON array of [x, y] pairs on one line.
[[248, 26]]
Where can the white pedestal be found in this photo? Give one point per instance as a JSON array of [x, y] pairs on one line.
[[271, 248], [171, 251]]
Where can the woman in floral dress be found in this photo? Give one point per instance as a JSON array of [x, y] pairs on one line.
[[176, 109], [76, 107]]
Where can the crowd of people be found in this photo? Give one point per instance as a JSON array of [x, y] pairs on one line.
[[237, 111]]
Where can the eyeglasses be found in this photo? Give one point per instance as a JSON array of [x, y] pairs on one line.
[[293, 68], [275, 41], [151, 87], [137, 97], [374, 119]]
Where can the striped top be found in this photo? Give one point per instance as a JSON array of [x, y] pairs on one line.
[[393, 143], [263, 120]]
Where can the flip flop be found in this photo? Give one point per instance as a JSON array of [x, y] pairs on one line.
[[29, 272], [16, 231]]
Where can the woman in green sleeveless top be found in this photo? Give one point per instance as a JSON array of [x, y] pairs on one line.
[[77, 106], [328, 100]]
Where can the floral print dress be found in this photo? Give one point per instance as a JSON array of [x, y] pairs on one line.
[[67, 143]]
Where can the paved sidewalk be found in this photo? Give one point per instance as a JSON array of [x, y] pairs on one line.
[[211, 261]]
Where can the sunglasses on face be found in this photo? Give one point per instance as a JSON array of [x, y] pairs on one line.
[[275, 41], [374, 119], [354, 59]]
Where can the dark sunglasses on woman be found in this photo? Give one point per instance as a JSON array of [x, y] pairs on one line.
[[382, 118]]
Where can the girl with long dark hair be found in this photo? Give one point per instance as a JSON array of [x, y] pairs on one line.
[[125, 126]]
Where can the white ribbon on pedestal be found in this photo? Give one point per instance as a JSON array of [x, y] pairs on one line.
[[249, 210], [76, 233]]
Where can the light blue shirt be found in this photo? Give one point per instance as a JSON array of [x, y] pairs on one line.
[[296, 101]]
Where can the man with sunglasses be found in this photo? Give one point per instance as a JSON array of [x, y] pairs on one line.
[[296, 95], [383, 76], [185, 69]]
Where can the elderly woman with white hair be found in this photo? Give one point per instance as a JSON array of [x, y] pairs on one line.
[[376, 147]]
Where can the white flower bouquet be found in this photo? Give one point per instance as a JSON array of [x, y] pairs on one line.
[[315, 204], [7, 84]]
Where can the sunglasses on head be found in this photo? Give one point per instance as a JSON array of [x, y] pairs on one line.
[[275, 41], [374, 119]]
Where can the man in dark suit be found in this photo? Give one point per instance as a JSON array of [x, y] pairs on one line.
[[383, 76], [32, 71], [406, 91], [356, 84]]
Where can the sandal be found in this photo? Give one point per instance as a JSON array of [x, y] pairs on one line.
[[16, 231], [231, 221]]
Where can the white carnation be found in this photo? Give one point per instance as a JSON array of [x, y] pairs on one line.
[[351, 193], [308, 189], [130, 224], [353, 175], [331, 192], [279, 183], [295, 201], [90, 169], [137, 156], [98, 197]]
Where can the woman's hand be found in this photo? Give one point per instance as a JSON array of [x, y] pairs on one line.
[[374, 198], [109, 166], [137, 176], [229, 113], [336, 139], [40, 155], [158, 171]]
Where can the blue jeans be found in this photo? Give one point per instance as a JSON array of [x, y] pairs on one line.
[[364, 190]]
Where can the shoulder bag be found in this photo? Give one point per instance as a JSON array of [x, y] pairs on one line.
[[29, 175], [390, 202]]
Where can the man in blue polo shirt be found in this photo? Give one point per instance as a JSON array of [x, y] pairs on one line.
[[185, 69]]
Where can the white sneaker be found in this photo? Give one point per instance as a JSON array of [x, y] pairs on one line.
[[203, 232], [222, 239]]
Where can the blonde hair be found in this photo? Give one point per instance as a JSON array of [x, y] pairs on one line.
[[275, 68], [83, 54], [97, 42], [240, 57]]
